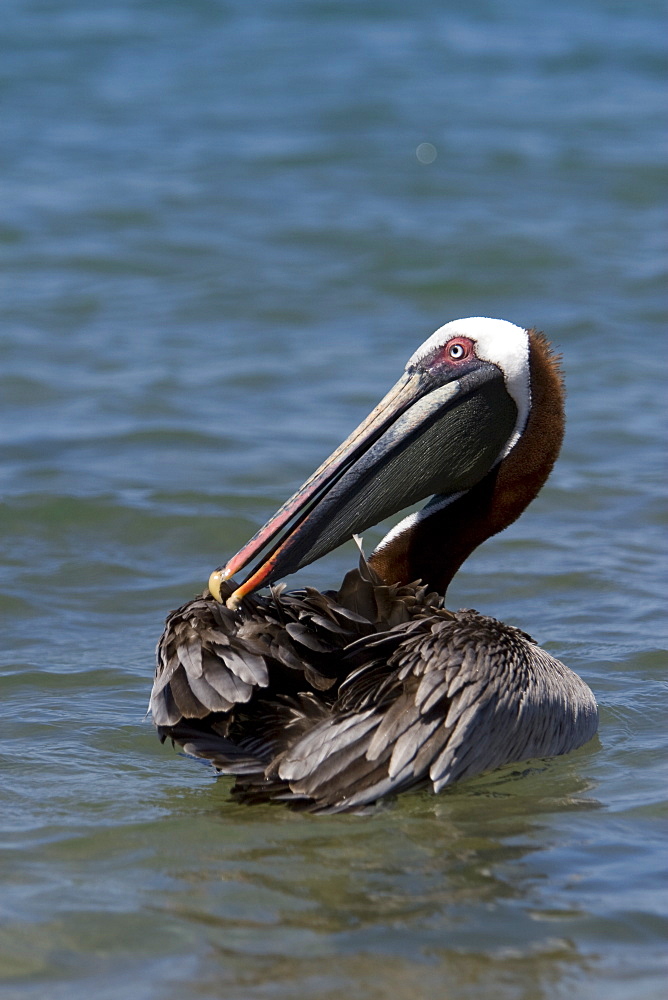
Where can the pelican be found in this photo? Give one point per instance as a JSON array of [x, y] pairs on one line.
[[331, 701]]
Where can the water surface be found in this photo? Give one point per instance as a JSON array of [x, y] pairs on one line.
[[219, 248]]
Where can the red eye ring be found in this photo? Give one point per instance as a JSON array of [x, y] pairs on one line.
[[459, 349]]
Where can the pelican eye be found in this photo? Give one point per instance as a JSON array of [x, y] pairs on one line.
[[457, 351]]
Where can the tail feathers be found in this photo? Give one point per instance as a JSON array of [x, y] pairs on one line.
[[226, 756]]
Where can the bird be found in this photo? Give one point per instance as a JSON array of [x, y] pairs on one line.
[[333, 701]]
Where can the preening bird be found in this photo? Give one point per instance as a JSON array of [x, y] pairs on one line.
[[332, 700]]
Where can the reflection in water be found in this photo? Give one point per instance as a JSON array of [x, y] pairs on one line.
[[395, 900]]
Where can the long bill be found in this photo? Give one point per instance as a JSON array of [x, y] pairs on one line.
[[422, 438]]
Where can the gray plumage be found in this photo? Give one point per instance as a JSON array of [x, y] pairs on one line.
[[332, 701]]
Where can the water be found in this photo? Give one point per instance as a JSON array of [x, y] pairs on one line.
[[219, 247]]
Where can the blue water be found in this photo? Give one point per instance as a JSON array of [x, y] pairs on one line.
[[219, 246]]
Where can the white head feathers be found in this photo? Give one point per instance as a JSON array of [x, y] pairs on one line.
[[502, 343], [506, 346]]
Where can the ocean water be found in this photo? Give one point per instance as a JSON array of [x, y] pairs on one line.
[[221, 237]]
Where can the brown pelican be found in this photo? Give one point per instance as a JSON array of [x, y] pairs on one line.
[[332, 700]]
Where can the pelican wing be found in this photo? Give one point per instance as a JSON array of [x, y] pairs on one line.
[[461, 694], [228, 685], [202, 665]]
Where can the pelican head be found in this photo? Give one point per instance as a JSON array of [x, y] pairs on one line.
[[459, 411]]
